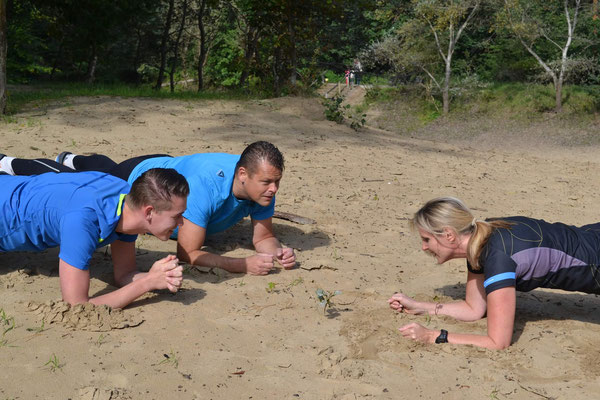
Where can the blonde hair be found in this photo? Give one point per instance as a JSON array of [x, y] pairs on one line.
[[450, 212]]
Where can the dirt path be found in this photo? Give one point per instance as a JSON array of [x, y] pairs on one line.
[[226, 337]]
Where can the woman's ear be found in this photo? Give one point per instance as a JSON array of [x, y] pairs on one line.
[[450, 235]]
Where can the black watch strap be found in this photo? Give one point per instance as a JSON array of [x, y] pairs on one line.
[[443, 338]]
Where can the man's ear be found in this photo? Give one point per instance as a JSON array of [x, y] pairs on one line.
[[148, 210], [242, 174]]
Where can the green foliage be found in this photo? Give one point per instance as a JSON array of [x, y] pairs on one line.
[[333, 109], [225, 65], [256, 48], [270, 287], [101, 339], [7, 323], [171, 359], [326, 298], [53, 363], [38, 329], [333, 77]]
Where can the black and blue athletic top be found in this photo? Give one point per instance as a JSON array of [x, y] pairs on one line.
[[534, 253]]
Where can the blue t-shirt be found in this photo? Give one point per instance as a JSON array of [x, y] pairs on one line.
[[211, 203], [533, 253], [78, 212]]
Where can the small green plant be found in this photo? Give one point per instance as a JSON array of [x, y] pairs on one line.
[[101, 340], [333, 109], [296, 282], [270, 287], [427, 319], [170, 358], [326, 298], [335, 255], [53, 363], [38, 329], [358, 121], [7, 323]]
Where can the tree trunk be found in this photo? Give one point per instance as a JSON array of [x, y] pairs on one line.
[[446, 89], [202, 53], [90, 75], [137, 56], [293, 52], [250, 50], [57, 58], [176, 45], [163, 45], [276, 72], [3, 50]]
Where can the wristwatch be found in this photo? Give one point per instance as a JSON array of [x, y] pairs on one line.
[[443, 338]]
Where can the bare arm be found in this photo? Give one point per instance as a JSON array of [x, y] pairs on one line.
[[265, 242], [471, 309], [124, 267], [126, 272], [189, 249], [75, 283], [501, 319]]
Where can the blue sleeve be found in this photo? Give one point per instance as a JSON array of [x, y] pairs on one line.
[[79, 236], [499, 270], [259, 212], [200, 205]]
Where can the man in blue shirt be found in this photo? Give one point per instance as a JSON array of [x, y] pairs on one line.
[[81, 212], [224, 188]]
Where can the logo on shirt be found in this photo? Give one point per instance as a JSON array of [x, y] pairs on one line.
[[221, 173]]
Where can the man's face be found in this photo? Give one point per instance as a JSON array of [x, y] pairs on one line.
[[262, 185], [437, 245], [163, 223]]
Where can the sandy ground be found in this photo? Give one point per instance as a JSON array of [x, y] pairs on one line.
[[225, 336]]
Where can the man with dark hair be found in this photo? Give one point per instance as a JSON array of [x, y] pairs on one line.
[[224, 188], [81, 212]]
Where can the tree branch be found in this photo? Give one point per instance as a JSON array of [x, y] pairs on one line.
[[437, 40]]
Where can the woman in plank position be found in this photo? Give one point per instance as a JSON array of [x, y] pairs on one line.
[[503, 256]]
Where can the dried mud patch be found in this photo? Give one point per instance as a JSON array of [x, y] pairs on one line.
[[87, 317]]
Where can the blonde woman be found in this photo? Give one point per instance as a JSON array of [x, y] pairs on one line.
[[503, 256]]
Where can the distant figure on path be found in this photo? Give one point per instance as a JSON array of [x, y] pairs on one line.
[[357, 69]]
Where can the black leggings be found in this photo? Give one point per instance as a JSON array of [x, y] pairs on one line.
[[95, 162], [98, 162]]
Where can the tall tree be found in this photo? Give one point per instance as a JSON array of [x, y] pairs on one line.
[[447, 20], [532, 22], [175, 57], [164, 44], [210, 17]]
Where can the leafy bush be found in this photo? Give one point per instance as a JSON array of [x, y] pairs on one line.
[[333, 109]]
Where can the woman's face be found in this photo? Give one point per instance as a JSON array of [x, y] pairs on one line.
[[442, 246]]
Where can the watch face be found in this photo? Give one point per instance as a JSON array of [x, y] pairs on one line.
[[443, 338]]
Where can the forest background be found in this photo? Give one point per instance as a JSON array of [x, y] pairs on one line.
[[437, 50]]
